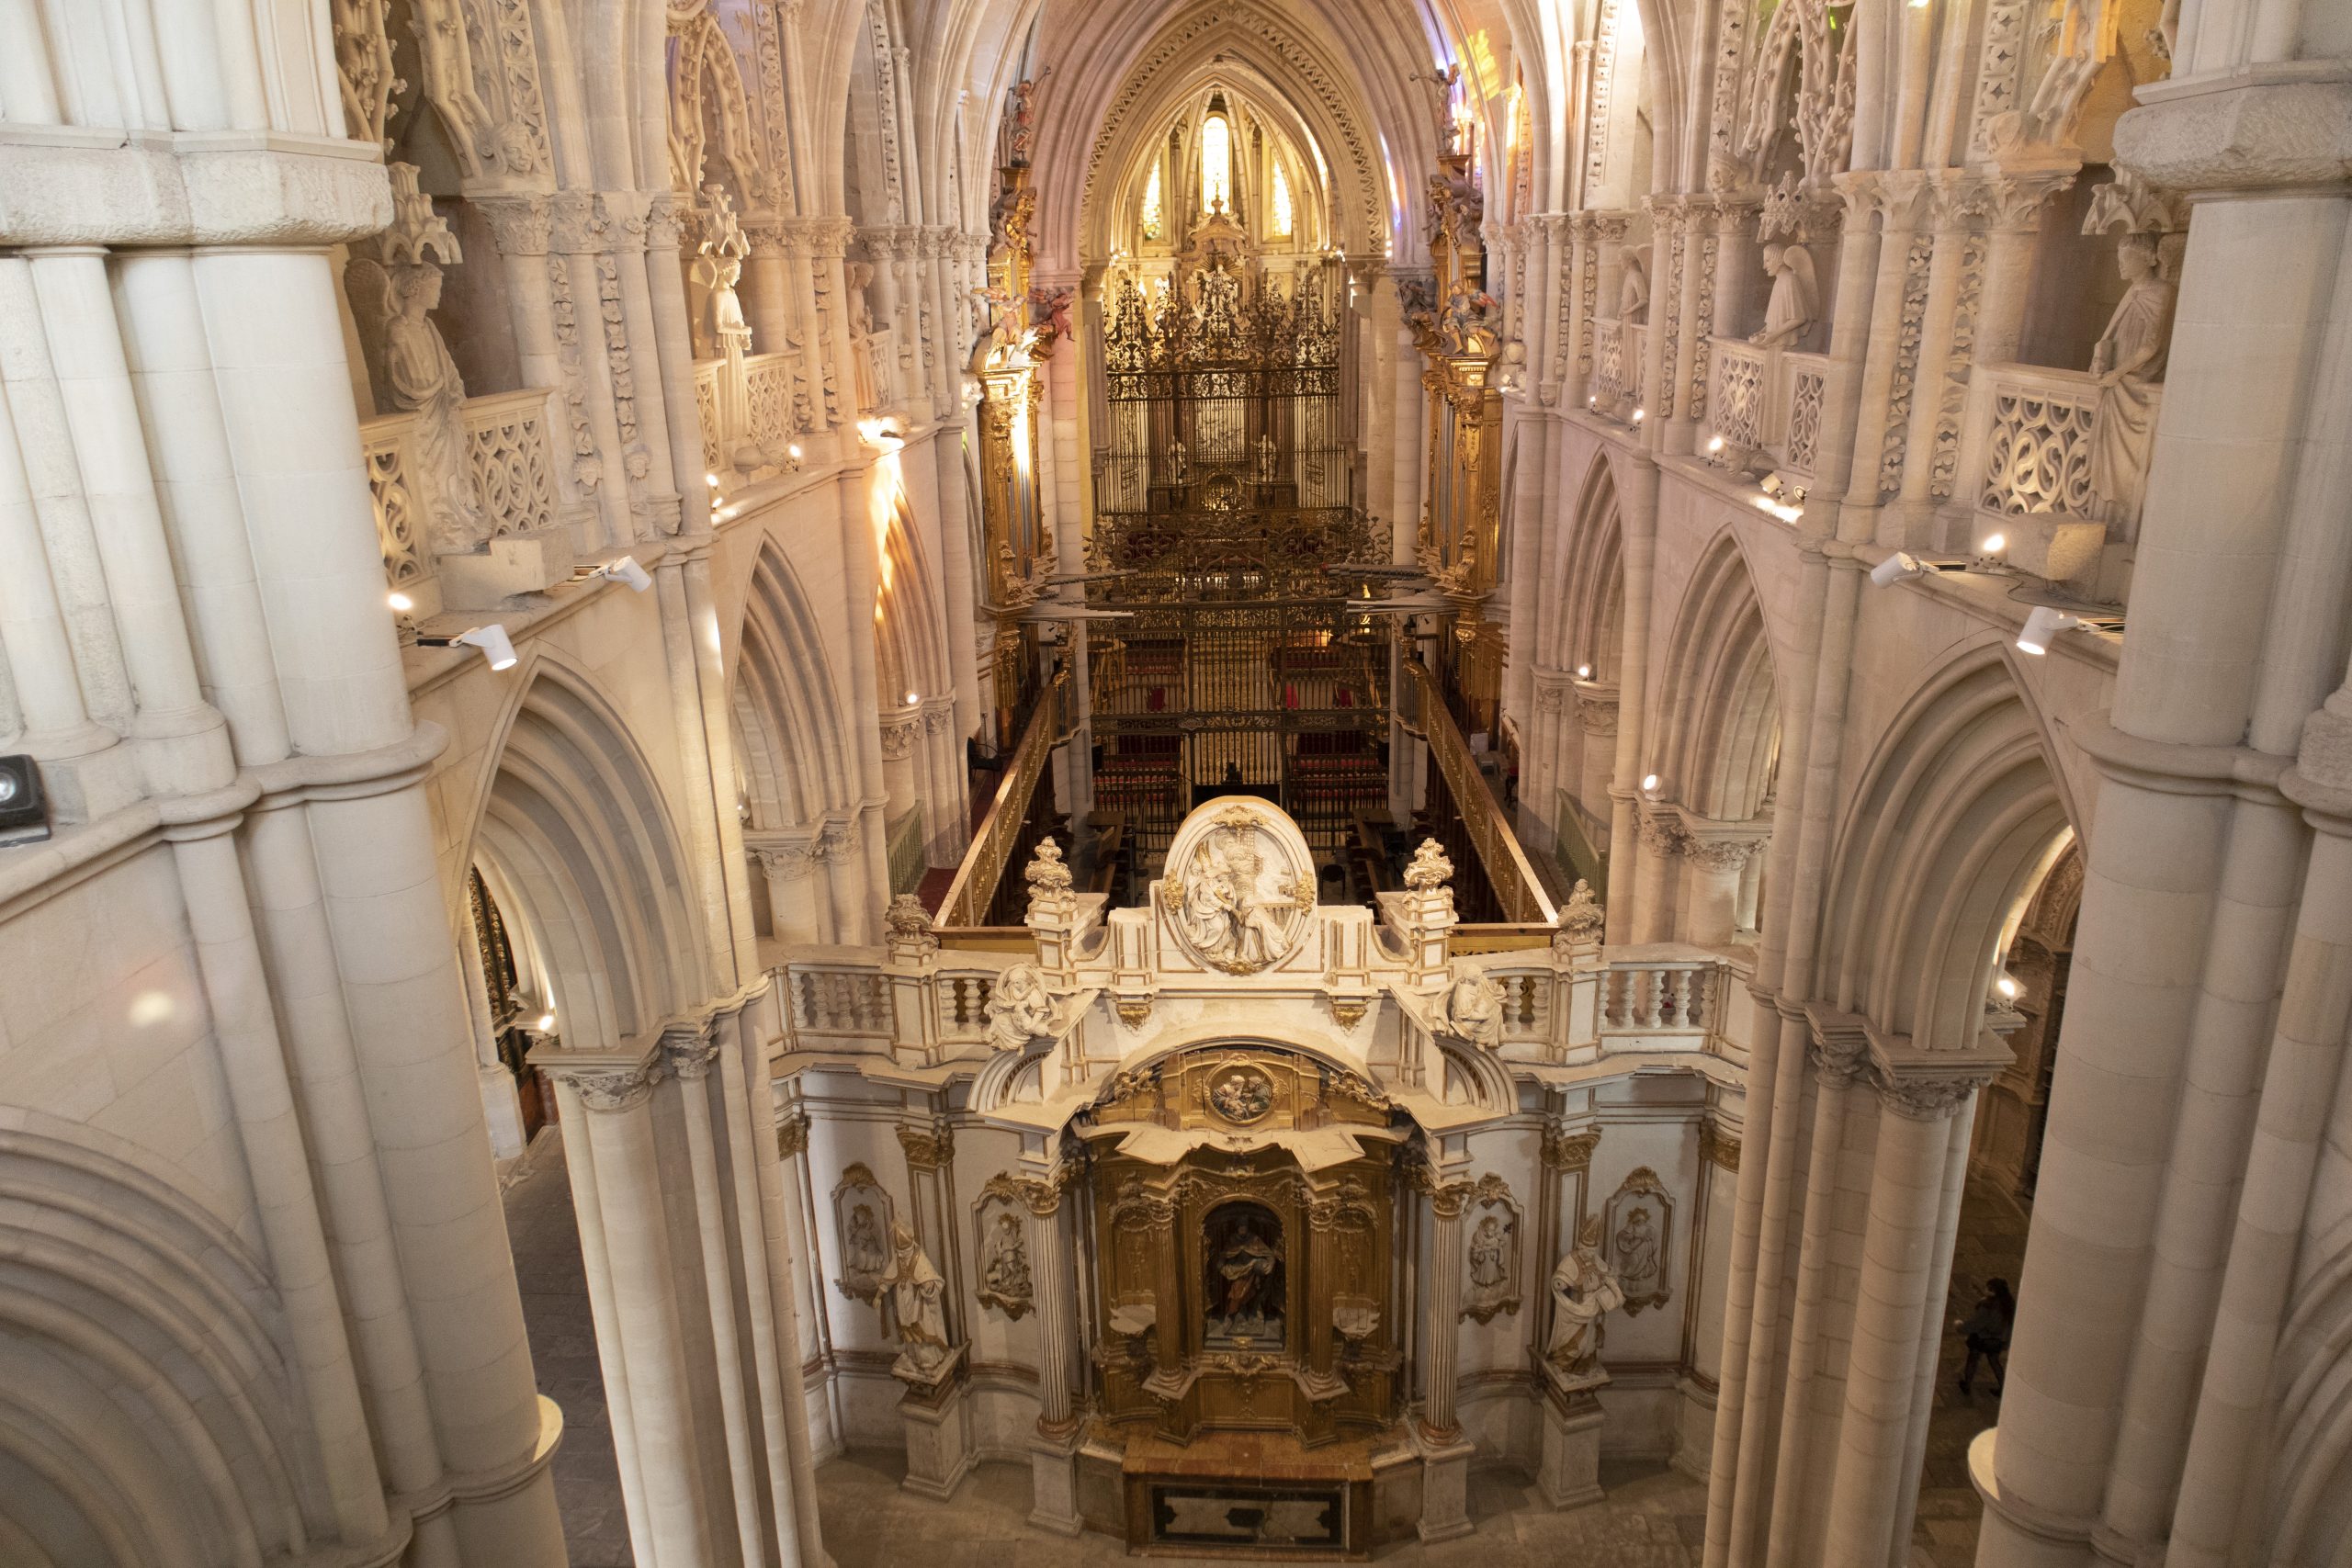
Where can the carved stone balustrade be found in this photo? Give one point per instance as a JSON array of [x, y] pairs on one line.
[[1618, 349], [510, 465], [749, 429], [2025, 474]]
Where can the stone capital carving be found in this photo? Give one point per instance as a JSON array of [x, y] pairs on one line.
[[689, 1056], [1718, 1147], [579, 223], [1661, 831], [1565, 1151], [792, 1136], [835, 843], [1722, 852], [898, 737], [665, 221], [911, 936], [928, 1148], [1923, 1097], [1839, 1061], [613, 1089], [519, 225], [1597, 710]]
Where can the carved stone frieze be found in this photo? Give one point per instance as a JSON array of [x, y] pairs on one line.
[[927, 1148], [1565, 1151]]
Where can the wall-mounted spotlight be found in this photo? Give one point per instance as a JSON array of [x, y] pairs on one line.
[[401, 602], [2042, 626], [1584, 671], [1897, 567], [1988, 552], [495, 645], [623, 569], [24, 805], [1640, 414], [2006, 986], [547, 1022], [913, 697], [1652, 785]]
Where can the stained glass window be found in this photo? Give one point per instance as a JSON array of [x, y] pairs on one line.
[[1282, 202], [1151, 205], [1216, 162]]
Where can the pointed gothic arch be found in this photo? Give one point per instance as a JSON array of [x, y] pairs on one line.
[[577, 828], [785, 705], [1957, 815], [1720, 738]]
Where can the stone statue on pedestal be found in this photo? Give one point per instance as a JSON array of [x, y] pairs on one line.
[[1584, 1289], [912, 1307], [2130, 363]]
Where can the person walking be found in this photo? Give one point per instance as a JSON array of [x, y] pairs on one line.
[[1986, 1329]]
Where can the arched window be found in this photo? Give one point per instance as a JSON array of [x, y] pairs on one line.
[[1216, 162], [1281, 225], [1151, 205]]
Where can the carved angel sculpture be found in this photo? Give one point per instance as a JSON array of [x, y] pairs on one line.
[[1795, 301], [1474, 1009], [2129, 364], [424, 380], [1020, 1008]]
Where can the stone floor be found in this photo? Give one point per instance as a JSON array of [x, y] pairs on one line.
[[1992, 1242], [1652, 1517], [563, 1348]]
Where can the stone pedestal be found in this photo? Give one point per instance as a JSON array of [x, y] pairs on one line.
[[508, 565], [1569, 1477], [1445, 1490], [939, 1442], [1053, 1484]]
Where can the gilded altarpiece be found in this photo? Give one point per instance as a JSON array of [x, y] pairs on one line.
[[1246, 1279]]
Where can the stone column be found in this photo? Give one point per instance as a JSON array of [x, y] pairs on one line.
[[1839, 1056], [1596, 752], [767, 288], [609, 1145], [1053, 1449], [1637, 523], [1445, 1455], [273, 321], [1899, 1266], [2145, 1018], [1663, 844], [931, 1159], [786, 866], [1715, 866]]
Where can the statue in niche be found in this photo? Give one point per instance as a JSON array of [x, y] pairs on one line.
[[1634, 290], [1794, 302], [1004, 1268], [1474, 1012], [1637, 1259], [1242, 1296], [2129, 364], [863, 1256], [1489, 1260], [424, 381], [912, 1292], [859, 276], [1585, 1288], [1019, 1008]]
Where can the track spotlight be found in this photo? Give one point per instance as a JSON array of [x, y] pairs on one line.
[[24, 806], [2042, 626], [495, 645], [1895, 567], [623, 569]]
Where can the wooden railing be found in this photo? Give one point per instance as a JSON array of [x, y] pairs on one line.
[[1519, 890], [969, 896]]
